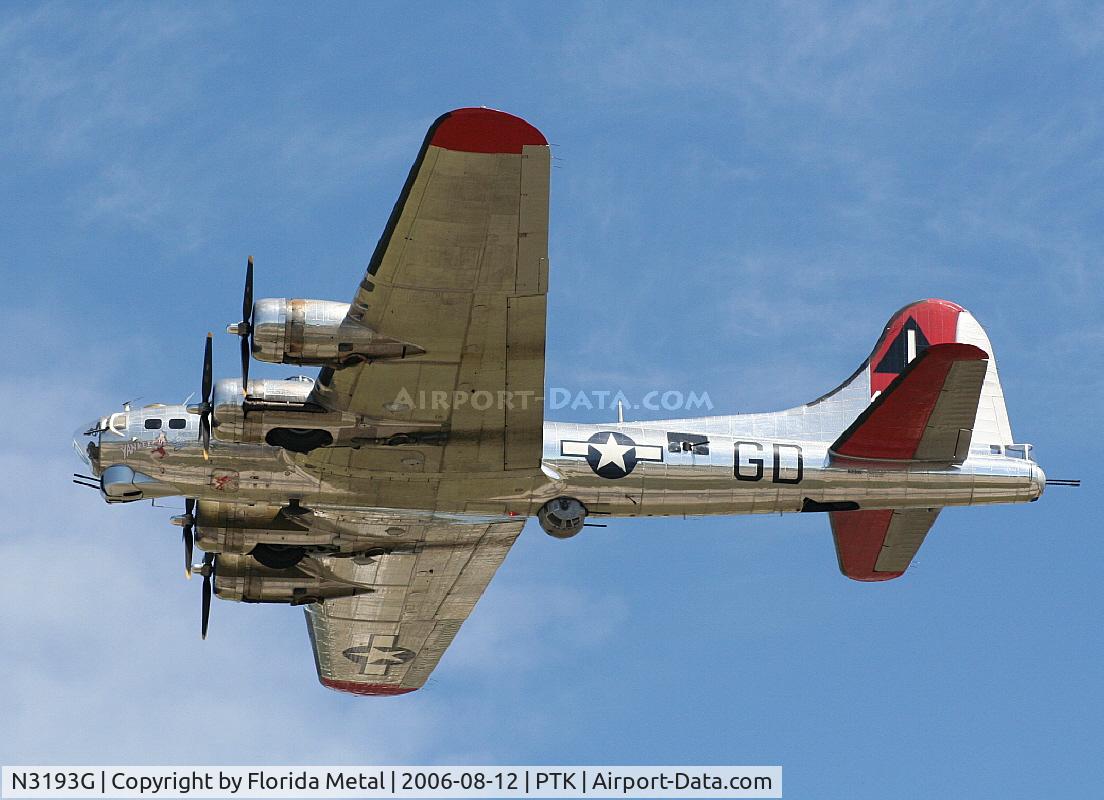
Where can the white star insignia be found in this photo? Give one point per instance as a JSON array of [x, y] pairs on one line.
[[612, 453], [388, 656]]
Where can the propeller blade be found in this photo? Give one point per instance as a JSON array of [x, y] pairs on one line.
[[189, 543], [206, 607], [207, 371], [189, 534], [245, 327], [208, 573], [247, 300], [245, 354], [205, 433]]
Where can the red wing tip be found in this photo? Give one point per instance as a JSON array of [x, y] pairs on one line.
[[484, 130], [873, 577], [365, 689]]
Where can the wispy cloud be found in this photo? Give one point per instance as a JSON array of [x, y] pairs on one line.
[[124, 91]]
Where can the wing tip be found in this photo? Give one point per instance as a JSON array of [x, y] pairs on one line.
[[366, 689], [871, 576], [484, 130]]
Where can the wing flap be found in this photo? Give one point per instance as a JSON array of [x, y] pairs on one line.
[[525, 316], [879, 545], [926, 414]]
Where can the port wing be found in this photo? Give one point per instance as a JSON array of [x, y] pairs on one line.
[[461, 273]]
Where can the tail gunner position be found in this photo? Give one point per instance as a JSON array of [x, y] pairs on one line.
[[382, 494]]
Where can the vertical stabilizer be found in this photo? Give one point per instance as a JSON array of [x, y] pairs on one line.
[[910, 332]]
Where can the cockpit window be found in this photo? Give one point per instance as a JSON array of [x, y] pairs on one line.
[[177, 424], [153, 424]]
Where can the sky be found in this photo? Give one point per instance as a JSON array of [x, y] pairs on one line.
[[742, 195]]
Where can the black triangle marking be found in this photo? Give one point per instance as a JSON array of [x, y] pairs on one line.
[[896, 357]]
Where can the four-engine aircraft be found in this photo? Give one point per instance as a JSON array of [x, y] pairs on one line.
[[383, 494]]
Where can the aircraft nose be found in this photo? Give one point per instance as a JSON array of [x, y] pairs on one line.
[[86, 443]]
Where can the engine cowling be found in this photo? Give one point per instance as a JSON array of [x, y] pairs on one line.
[[239, 527], [243, 579], [291, 393], [319, 333], [281, 413], [273, 406]]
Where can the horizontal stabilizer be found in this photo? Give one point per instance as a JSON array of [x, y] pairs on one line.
[[879, 545], [926, 414]]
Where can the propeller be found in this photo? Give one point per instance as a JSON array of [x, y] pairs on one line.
[[244, 329], [207, 570], [205, 408], [187, 521], [189, 535]]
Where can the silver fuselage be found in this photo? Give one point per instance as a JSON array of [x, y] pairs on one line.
[[738, 470]]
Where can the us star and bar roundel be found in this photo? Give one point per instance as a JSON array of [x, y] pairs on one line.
[[380, 653], [611, 454]]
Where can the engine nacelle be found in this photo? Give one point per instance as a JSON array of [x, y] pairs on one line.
[[239, 527], [319, 333], [243, 579], [227, 398], [563, 517], [273, 409], [280, 413]]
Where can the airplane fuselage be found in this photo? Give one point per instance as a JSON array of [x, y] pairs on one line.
[[713, 465]]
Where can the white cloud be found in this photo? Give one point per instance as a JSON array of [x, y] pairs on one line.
[[121, 96]]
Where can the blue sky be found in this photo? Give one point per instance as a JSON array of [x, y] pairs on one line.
[[743, 194]]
